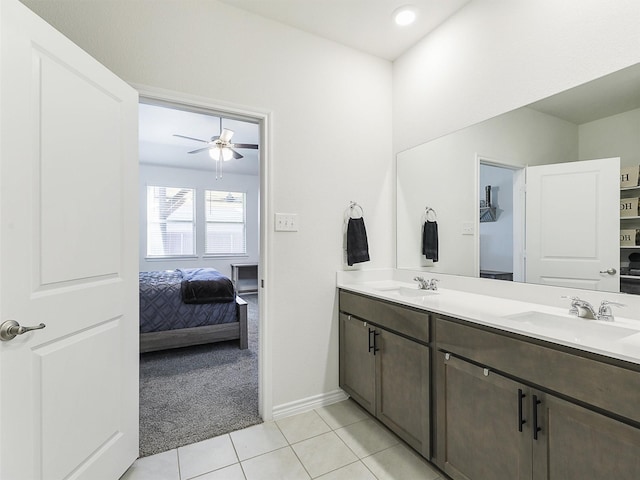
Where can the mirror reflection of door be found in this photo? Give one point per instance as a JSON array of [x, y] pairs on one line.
[[573, 224], [501, 221]]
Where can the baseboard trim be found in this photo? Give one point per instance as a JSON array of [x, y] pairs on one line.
[[307, 404]]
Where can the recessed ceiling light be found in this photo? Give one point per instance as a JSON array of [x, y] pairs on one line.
[[405, 15]]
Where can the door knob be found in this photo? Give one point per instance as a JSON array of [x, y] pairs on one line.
[[610, 271], [10, 329]]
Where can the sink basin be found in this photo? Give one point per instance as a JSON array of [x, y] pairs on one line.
[[410, 291], [569, 327]]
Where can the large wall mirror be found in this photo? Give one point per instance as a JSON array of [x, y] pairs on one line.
[[532, 195]]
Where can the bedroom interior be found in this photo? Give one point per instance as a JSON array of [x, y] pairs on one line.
[[198, 318]]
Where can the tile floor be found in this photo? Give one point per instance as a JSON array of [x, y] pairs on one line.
[[338, 442]]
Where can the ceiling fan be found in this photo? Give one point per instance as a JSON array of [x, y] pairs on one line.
[[220, 146]]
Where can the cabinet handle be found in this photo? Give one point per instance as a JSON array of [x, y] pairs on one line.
[[371, 345], [536, 428], [375, 342], [521, 421]]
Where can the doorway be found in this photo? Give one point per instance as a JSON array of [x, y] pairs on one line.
[[501, 206], [192, 393]]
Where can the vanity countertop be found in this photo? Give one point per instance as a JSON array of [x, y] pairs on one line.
[[619, 339]]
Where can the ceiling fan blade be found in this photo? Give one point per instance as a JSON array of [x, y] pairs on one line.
[[236, 154], [200, 150], [245, 145], [190, 138], [226, 135]]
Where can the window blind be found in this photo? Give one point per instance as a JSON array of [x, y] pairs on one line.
[[170, 221], [225, 223]]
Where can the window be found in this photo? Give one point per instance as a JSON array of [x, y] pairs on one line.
[[225, 223], [170, 222]]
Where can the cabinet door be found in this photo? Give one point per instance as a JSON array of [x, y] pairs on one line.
[[402, 393], [479, 424], [357, 365], [575, 444]]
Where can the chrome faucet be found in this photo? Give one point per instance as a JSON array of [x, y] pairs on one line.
[[604, 312], [431, 284], [583, 309]]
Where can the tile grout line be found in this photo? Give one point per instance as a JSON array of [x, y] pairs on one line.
[[237, 456], [178, 461], [359, 460], [290, 445]]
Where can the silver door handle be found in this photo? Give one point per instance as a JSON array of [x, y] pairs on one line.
[[10, 329], [610, 271]]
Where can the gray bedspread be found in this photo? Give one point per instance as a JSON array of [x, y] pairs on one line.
[[162, 308]]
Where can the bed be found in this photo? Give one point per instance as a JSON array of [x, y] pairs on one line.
[[185, 307]]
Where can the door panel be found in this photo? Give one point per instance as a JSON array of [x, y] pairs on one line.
[[576, 443], [572, 212], [81, 150], [481, 434], [68, 252], [402, 389], [357, 363]]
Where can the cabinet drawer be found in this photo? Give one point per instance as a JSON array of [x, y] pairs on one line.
[[600, 384], [404, 320]]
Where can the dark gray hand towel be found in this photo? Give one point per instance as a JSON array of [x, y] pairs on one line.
[[430, 240], [357, 245]]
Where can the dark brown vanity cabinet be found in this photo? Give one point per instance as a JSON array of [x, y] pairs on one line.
[[480, 438], [493, 424], [384, 364]]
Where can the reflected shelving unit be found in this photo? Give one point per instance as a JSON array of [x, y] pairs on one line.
[[629, 283]]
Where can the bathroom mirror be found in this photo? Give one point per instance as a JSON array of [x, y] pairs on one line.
[[597, 120]]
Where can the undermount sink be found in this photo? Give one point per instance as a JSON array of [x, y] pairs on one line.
[[573, 328], [409, 291]]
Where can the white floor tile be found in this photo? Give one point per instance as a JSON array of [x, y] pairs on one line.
[[323, 454], [206, 456], [257, 440], [280, 464], [355, 471], [367, 437], [163, 466], [399, 462], [342, 414], [303, 426], [232, 472]]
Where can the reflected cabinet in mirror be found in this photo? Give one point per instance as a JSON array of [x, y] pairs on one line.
[[533, 195]]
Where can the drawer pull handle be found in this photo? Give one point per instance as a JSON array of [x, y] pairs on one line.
[[536, 428], [521, 421], [371, 345]]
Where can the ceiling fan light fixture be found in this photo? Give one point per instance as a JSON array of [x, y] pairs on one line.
[[221, 153], [404, 16]]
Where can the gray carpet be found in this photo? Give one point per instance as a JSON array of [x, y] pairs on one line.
[[194, 393]]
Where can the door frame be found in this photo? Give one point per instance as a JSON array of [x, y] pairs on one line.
[[519, 212], [179, 99]]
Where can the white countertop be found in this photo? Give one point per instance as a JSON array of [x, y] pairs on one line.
[[619, 339]]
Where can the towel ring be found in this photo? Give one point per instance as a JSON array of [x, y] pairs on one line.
[[430, 214], [353, 209]]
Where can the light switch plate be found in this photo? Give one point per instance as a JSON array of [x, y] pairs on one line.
[[286, 222], [468, 228]]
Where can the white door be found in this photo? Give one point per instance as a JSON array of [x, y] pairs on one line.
[[573, 213], [68, 257]]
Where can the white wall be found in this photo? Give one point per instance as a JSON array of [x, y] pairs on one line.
[[496, 55], [615, 136], [331, 114], [200, 180]]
